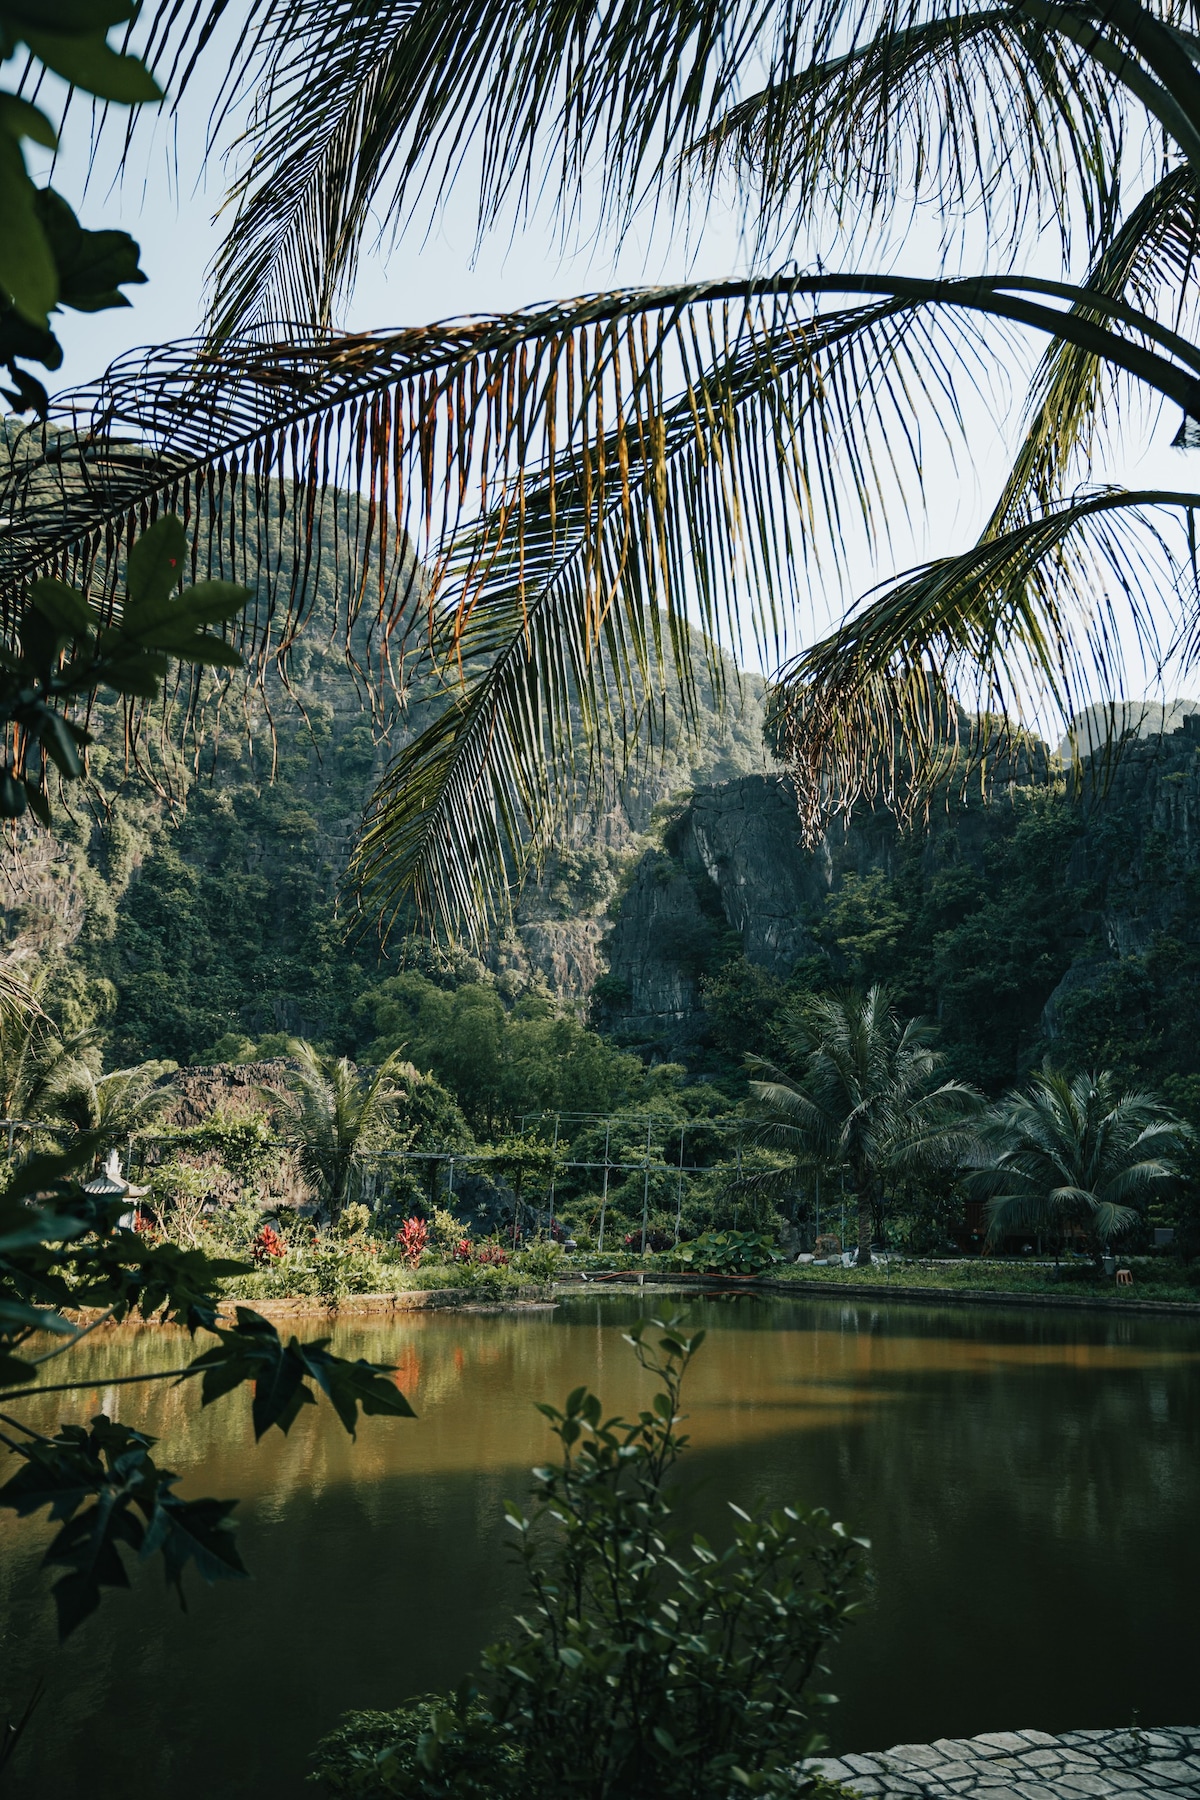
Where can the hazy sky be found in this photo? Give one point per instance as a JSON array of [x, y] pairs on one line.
[[168, 198]]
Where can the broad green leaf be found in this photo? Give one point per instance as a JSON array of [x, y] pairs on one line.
[[39, 805], [88, 63], [45, 1173], [155, 566], [92, 265], [142, 675], [196, 1531], [12, 795], [19, 1312], [66, 609], [350, 1385], [182, 639], [27, 270], [60, 746], [21, 120], [212, 602], [71, 17]]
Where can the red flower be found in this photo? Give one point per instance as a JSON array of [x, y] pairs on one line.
[[268, 1246]]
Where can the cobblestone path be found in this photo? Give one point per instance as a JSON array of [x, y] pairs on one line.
[[1029, 1765]]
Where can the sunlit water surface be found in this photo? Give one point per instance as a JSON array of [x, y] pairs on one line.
[[1029, 1482]]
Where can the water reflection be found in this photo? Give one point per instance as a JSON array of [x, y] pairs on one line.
[[1028, 1482]]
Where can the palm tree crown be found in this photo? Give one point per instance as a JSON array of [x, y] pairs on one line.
[[113, 1106], [340, 1113], [1076, 1154], [865, 1099]]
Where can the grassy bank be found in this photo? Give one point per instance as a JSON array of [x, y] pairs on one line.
[[1153, 1278]]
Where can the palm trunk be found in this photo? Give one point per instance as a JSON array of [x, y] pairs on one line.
[[866, 1219]]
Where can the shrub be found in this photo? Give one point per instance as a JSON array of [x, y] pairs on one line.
[[730, 1252], [412, 1238], [355, 1220], [644, 1665], [538, 1260]]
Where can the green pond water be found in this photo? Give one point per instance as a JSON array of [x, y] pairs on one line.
[[1029, 1481]]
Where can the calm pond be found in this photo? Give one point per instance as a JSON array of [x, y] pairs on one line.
[[1029, 1481]]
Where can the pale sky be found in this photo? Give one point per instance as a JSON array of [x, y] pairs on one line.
[[168, 197]]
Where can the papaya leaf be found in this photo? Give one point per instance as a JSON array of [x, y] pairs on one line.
[[66, 609], [155, 566], [27, 270], [89, 63]]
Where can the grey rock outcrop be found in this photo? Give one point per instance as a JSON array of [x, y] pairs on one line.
[[733, 864]]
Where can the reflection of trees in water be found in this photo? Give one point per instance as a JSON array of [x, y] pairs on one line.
[[1096, 1408], [1035, 1468]]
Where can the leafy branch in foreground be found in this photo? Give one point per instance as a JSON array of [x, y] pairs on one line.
[[47, 259], [648, 1665], [66, 649], [64, 1251]]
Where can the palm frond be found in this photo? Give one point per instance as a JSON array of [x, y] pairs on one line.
[[1151, 261], [570, 606], [558, 499], [325, 127], [968, 109], [359, 111], [1032, 615]]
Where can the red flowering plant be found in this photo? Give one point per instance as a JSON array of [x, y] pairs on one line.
[[267, 1246], [412, 1238], [464, 1250], [491, 1255]]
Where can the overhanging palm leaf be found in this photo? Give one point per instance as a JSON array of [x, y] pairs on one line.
[[1150, 262], [358, 109], [1032, 613], [696, 503], [969, 107], [426, 427]]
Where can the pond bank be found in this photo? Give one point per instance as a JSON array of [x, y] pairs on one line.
[[930, 1294], [536, 1296], [1028, 1765]]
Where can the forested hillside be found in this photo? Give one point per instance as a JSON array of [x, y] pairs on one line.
[[201, 915], [1053, 918]]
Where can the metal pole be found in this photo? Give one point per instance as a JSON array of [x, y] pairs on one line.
[[646, 1186], [604, 1193], [553, 1175], [679, 1189]]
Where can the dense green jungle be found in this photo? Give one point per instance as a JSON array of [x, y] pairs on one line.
[[197, 920]]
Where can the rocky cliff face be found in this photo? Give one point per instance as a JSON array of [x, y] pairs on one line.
[[733, 877], [732, 865]]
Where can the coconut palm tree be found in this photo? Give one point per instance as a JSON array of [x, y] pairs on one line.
[[113, 1106], [339, 1113], [1076, 1155], [862, 1096], [33, 1052], [582, 480]]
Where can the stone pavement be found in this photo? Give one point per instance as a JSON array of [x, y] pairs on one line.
[[1029, 1765]]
